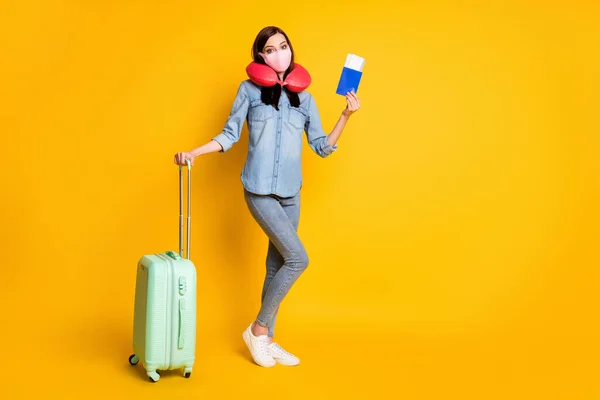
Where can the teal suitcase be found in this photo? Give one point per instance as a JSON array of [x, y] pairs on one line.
[[164, 321]]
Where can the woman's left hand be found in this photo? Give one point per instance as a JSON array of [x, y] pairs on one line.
[[353, 104]]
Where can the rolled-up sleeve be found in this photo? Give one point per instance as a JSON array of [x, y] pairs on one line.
[[317, 138], [235, 122]]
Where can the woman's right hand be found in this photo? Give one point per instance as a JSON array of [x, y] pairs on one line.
[[181, 157]]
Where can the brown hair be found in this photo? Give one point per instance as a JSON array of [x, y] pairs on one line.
[[270, 95]]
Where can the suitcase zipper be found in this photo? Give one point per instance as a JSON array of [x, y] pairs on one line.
[[167, 363], [173, 314], [170, 308]]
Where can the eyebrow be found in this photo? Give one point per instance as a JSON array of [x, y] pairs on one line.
[[285, 41]]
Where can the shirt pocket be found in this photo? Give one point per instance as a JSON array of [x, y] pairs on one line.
[[296, 118], [260, 112]]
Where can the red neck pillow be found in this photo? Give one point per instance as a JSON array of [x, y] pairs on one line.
[[263, 75]]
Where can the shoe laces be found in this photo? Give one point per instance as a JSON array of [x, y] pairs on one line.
[[281, 350], [264, 347]]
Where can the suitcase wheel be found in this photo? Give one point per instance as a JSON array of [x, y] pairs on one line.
[[133, 359], [187, 374], [153, 376]]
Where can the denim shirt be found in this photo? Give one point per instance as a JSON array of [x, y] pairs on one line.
[[273, 163]]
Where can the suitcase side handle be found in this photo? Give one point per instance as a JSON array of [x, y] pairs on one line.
[[181, 338], [189, 217]]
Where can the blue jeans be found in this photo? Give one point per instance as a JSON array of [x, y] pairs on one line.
[[286, 256]]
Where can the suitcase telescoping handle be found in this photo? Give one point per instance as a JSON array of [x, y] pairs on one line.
[[189, 168]]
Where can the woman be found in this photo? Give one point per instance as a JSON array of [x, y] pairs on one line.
[[278, 110]]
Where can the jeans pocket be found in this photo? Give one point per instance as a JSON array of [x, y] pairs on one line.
[[260, 113], [296, 118]]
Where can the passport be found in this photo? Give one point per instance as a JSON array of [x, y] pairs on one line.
[[351, 75]]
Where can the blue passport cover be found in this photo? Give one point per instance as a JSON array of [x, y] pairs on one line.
[[349, 81]]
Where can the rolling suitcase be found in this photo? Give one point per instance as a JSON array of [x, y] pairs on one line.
[[164, 321]]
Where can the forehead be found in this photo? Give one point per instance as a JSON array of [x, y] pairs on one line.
[[275, 40]]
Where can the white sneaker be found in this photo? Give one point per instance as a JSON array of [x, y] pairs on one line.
[[258, 346], [281, 356]]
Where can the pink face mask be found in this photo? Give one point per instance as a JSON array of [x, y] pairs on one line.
[[278, 60]]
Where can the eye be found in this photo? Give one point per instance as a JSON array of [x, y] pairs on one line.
[[284, 46], [269, 51]]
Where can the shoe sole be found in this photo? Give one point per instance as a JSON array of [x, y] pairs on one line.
[[246, 338], [287, 364]]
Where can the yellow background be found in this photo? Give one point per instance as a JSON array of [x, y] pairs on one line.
[[453, 238]]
